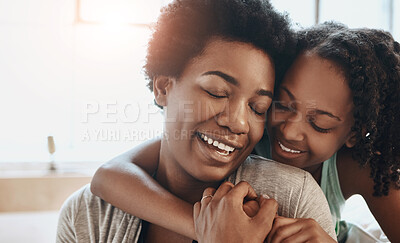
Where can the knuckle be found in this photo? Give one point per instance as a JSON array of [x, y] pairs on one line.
[[208, 189], [278, 222], [228, 200], [228, 183], [272, 203], [311, 222], [244, 183]]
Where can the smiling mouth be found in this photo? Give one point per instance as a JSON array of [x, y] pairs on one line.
[[286, 149], [218, 146]]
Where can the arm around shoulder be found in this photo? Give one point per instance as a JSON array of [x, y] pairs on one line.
[[122, 179]]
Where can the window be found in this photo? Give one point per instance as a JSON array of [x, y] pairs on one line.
[[119, 11]]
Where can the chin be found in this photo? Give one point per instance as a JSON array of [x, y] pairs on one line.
[[213, 175]]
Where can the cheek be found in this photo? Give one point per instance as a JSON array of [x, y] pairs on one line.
[[323, 146], [257, 126], [208, 108]]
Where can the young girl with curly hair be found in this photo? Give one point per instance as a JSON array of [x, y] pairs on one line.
[[336, 115]]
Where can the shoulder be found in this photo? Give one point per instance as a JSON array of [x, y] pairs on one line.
[[259, 169], [66, 230], [95, 219], [283, 182], [71, 206]]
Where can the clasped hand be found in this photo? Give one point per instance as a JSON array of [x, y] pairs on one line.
[[236, 214], [233, 214]]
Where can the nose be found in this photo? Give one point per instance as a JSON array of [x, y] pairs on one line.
[[235, 117], [292, 128]]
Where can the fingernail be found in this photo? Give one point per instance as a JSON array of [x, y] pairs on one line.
[[265, 196]]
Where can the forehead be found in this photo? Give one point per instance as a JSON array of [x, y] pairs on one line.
[[318, 81], [242, 61]]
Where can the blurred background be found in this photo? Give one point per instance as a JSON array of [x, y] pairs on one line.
[[72, 70]]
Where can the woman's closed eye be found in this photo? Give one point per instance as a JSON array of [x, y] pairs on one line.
[[217, 94], [258, 111]]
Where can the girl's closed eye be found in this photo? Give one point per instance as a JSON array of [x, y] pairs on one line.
[[280, 106], [284, 106], [311, 121]]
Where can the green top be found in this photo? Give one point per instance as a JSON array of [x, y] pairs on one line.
[[331, 187]]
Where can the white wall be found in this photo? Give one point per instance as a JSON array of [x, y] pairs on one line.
[[51, 67]]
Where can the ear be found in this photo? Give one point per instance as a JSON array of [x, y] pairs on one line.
[[161, 88], [351, 140]]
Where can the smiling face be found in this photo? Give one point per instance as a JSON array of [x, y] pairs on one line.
[[313, 114], [215, 112]]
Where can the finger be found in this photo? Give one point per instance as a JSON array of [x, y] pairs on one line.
[[196, 210], [208, 194], [223, 189], [284, 228], [298, 237], [242, 191], [267, 213], [278, 222], [251, 208], [209, 191], [308, 230]]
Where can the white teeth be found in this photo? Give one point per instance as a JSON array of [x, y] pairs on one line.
[[288, 149], [223, 153], [227, 149]]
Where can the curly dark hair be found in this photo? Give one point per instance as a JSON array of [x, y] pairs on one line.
[[185, 26], [370, 61]]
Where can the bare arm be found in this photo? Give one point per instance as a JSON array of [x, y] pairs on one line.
[[386, 209], [125, 182]]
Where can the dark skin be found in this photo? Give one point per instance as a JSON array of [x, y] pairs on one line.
[[187, 162], [314, 146], [383, 208]]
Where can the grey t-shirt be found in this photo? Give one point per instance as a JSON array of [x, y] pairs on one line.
[[85, 217]]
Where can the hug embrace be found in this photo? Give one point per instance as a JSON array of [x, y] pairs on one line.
[[267, 132]]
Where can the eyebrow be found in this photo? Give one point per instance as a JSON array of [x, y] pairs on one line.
[[320, 112], [264, 92], [225, 76], [232, 80]]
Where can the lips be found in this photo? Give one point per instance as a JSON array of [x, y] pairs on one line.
[[218, 148], [224, 149], [286, 149]]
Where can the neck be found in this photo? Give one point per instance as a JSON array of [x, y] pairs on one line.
[[175, 179], [315, 171]]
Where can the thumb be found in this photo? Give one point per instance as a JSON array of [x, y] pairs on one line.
[[251, 208], [267, 212]]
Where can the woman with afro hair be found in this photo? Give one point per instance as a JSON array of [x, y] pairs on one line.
[[211, 65], [336, 115]]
